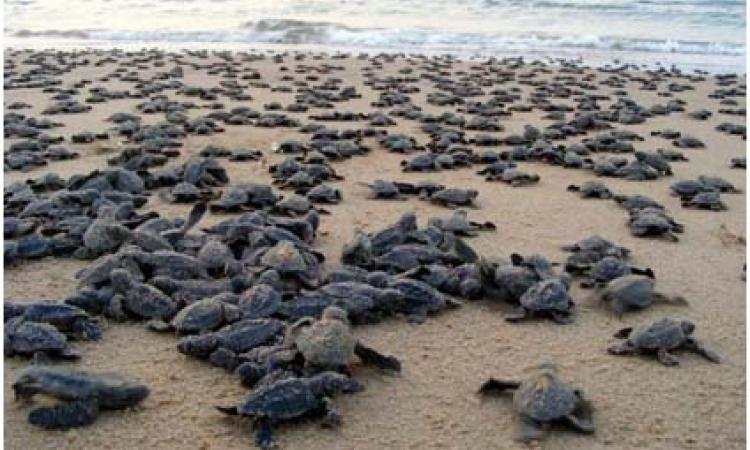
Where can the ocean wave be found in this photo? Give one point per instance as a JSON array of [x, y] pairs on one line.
[[286, 31]]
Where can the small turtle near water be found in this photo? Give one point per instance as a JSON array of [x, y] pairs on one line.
[[633, 292], [660, 338], [542, 400], [83, 395], [293, 398]]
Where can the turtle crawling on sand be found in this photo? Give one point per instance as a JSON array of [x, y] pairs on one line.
[[459, 224], [83, 395], [293, 398], [591, 189], [453, 197], [548, 297], [660, 338], [632, 292], [542, 400], [39, 340], [329, 344]]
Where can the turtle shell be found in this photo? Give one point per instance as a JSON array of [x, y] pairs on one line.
[[665, 333], [544, 397], [550, 294]]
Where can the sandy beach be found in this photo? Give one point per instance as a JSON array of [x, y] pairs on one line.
[[432, 403]]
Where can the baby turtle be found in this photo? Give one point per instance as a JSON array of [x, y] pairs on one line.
[[323, 193], [543, 399], [329, 344], [293, 398], [718, 183], [382, 189], [83, 395], [654, 160], [609, 268], [592, 189], [40, 340], [548, 297], [454, 197], [633, 292], [705, 200], [653, 222], [188, 193], [515, 177], [203, 316], [660, 338], [459, 224]]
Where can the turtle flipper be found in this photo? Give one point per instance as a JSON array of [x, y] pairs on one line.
[[332, 416], [667, 358], [196, 214], [65, 415], [580, 419], [264, 435], [561, 318], [529, 430], [377, 359], [228, 410], [494, 385], [702, 350]]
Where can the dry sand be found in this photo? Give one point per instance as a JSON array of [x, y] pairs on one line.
[[432, 404]]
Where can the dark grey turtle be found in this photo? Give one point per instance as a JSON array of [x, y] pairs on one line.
[[293, 398], [718, 183], [260, 301], [454, 197], [688, 142], [40, 340], [328, 343], [295, 205], [323, 193], [185, 192], [637, 171], [71, 320], [637, 201], [548, 297], [515, 177], [382, 189], [462, 281], [653, 222], [14, 227], [421, 163], [656, 161], [290, 261], [705, 200], [660, 338], [139, 299], [104, 235], [667, 134], [591, 189], [215, 256], [633, 292], [672, 155], [419, 299], [497, 168], [687, 189], [205, 315], [459, 224], [83, 395], [223, 347], [599, 246], [609, 268], [543, 399]]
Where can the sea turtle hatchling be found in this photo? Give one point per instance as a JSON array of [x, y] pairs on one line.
[[705, 200], [633, 292], [83, 395], [453, 197], [653, 222], [329, 344], [543, 399], [459, 224], [591, 189], [548, 297], [39, 340], [660, 338], [383, 189], [293, 398]]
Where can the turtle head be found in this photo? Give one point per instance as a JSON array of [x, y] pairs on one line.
[[335, 313], [408, 221], [121, 280], [687, 326], [473, 193], [640, 156], [331, 383]]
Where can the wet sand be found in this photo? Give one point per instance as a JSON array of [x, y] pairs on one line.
[[432, 404]]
